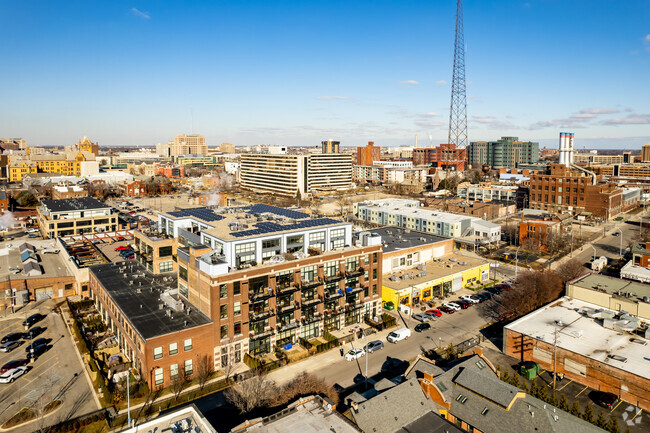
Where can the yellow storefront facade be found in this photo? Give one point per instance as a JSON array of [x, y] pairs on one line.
[[437, 279]]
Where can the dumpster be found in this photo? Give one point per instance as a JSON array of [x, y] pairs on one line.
[[529, 370]]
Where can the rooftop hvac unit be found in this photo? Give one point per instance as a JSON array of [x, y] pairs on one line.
[[420, 266]]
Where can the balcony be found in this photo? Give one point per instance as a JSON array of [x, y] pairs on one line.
[[334, 294], [333, 311], [289, 325], [293, 287], [265, 314], [312, 318], [283, 309], [338, 277], [260, 295], [356, 273], [311, 301], [311, 284], [353, 290], [267, 332]]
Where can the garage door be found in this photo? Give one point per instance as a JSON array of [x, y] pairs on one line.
[[457, 283], [44, 293]]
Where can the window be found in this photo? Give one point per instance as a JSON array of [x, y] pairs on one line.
[[187, 345], [173, 371], [237, 308], [374, 274], [351, 263], [338, 243], [337, 233], [182, 273], [374, 257], [165, 251], [157, 352], [374, 289], [271, 243], [236, 288], [331, 268], [224, 331], [223, 311], [237, 328], [182, 288], [173, 348], [159, 376], [308, 273], [166, 266], [189, 368], [245, 248], [223, 290]]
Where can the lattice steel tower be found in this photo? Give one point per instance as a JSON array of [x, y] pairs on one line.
[[458, 108]]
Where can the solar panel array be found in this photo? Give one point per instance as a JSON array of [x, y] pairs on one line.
[[265, 208], [203, 214], [271, 227]]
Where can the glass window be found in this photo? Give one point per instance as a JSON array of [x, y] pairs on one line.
[[159, 376], [352, 263], [166, 266], [182, 273], [337, 233], [182, 288], [308, 273], [173, 348], [165, 251], [245, 248], [237, 308], [223, 290], [236, 288], [173, 371], [237, 328], [223, 311], [338, 243], [271, 243], [224, 331], [187, 344], [283, 279], [331, 268], [189, 368], [295, 239], [157, 352]]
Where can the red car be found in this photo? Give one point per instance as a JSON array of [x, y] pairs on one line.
[[123, 247], [120, 239], [436, 313], [13, 364]]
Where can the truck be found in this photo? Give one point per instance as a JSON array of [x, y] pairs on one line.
[[598, 264]]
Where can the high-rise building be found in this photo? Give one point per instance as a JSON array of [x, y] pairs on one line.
[[368, 154], [330, 146], [192, 144], [645, 153], [289, 174], [227, 148], [507, 152]]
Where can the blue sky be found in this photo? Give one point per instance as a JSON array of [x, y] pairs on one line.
[[297, 72]]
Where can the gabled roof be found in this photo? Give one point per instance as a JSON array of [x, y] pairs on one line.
[[489, 386], [25, 246], [32, 268]]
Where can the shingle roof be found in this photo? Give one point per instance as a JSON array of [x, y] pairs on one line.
[[32, 268], [489, 386]]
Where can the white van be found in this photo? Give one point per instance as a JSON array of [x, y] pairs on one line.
[[398, 335]]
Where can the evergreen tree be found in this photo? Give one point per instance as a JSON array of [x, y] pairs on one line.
[[588, 414], [542, 393], [552, 399], [613, 425], [515, 380], [564, 403], [575, 409], [601, 421], [534, 390], [505, 376]]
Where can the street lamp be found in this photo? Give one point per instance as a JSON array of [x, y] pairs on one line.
[[594, 251], [620, 249], [365, 349]]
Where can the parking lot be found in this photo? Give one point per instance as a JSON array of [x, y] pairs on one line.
[[56, 374]]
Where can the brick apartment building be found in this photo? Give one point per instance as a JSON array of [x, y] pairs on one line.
[[134, 189], [368, 154], [537, 232], [446, 156], [60, 192], [170, 170], [562, 189]]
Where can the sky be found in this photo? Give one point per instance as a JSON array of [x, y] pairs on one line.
[[298, 72]]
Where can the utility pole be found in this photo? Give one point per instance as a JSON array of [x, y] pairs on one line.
[[554, 358]]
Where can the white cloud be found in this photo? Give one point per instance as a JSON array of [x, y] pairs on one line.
[[492, 122], [332, 98], [575, 120], [630, 119], [410, 82], [139, 13], [441, 83], [647, 38], [598, 111]]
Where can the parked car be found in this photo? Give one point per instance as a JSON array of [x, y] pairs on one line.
[[9, 346], [421, 317], [422, 327], [36, 330], [11, 337], [470, 298], [604, 399], [32, 235], [432, 317], [446, 309], [374, 345], [398, 335], [34, 318], [37, 342], [120, 239], [13, 364], [452, 305], [484, 296], [434, 312], [36, 350], [123, 247], [354, 354], [495, 290], [389, 306], [464, 304], [125, 253], [13, 374]]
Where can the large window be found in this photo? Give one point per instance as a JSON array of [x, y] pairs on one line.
[[157, 352], [173, 348], [166, 266], [187, 344], [317, 240], [173, 371], [223, 312], [182, 273], [165, 251], [283, 279], [224, 331], [237, 308], [352, 263], [223, 291], [237, 328], [308, 273], [189, 368], [159, 376], [245, 253]]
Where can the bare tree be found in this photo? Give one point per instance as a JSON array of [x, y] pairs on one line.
[[251, 393], [570, 269], [531, 290], [204, 368], [178, 384], [302, 385]]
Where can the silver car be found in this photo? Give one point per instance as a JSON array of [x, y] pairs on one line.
[[9, 346], [421, 317], [374, 345]]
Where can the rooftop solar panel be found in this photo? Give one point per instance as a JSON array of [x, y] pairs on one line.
[[204, 214]]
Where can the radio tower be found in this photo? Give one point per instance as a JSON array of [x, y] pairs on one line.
[[458, 108]]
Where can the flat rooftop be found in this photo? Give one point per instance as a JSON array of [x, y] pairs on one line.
[[395, 239], [183, 420], [585, 336], [447, 265], [72, 204], [231, 224], [612, 285], [137, 293], [12, 265]]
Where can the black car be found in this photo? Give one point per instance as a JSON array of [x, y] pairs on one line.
[[36, 350], [422, 327], [33, 319], [482, 297], [37, 342], [36, 330], [604, 399], [463, 304], [11, 337], [495, 290]]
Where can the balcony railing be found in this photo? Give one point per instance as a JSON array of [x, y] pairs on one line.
[[289, 289], [311, 301], [334, 294], [312, 318], [268, 331], [254, 317], [353, 290], [338, 277], [333, 311], [311, 284], [355, 273], [260, 294], [282, 309]]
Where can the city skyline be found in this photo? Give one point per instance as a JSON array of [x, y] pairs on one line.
[[138, 73]]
